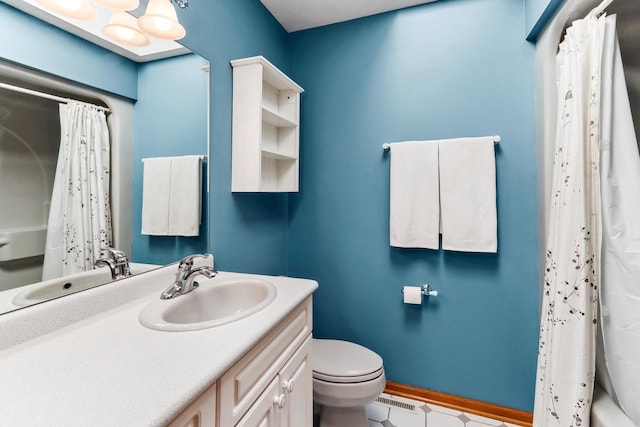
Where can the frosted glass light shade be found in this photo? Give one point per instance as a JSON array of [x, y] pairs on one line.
[[160, 20], [121, 5], [77, 9], [123, 28]]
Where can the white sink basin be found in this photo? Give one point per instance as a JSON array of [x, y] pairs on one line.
[[55, 288], [215, 302], [66, 285]]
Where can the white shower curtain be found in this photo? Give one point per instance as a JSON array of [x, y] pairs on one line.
[[566, 359], [80, 214], [619, 355]]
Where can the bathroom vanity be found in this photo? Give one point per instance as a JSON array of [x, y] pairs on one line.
[[96, 364], [269, 386]]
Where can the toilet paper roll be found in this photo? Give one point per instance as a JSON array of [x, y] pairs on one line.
[[412, 295]]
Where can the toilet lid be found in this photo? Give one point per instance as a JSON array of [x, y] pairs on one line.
[[335, 360]]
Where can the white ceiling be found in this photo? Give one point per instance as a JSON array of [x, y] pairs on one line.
[[295, 15]]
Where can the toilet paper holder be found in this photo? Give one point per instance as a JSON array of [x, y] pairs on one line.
[[426, 290]]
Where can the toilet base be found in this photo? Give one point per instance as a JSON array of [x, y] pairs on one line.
[[331, 416]]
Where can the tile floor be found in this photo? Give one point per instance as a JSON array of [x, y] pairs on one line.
[[394, 411]]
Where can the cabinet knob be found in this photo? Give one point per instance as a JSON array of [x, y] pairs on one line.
[[280, 401], [288, 386]]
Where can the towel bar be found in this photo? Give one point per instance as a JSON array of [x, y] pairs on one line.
[[387, 146], [202, 157]]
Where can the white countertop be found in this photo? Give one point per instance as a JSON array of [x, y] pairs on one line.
[[108, 370]]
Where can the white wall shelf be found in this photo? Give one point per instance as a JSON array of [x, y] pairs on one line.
[[276, 119], [265, 132], [276, 155]]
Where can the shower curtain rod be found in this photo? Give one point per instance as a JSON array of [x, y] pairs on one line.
[[47, 96], [597, 11]]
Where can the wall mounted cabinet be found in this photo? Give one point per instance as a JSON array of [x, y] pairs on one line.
[[265, 131]]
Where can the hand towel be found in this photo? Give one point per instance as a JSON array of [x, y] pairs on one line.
[[156, 184], [414, 209], [172, 196], [185, 196], [468, 194]]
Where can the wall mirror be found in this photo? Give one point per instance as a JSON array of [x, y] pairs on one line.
[[159, 108]]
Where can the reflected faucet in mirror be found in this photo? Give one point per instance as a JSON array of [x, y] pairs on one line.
[[185, 282], [117, 262]]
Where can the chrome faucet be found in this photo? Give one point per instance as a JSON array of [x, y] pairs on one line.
[[185, 277], [117, 262]]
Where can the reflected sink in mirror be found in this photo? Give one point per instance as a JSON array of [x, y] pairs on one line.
[[215, 302], [66, 285]]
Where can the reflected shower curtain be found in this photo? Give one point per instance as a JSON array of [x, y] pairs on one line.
[[80, 216], [566, 359]]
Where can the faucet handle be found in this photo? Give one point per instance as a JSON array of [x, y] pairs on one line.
[[114, 253], [187, 262], [104, 261]]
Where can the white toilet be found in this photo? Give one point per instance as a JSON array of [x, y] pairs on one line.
[[346, 378]]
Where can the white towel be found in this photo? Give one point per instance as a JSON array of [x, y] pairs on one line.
[[414, 207], [171, 196], [468, 194], [156, 183], [186, 191]]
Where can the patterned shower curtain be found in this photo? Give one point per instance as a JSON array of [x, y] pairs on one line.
[[80, 215], [566, 360]]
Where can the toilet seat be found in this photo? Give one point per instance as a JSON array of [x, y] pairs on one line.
[[344, 362], [347, 380]]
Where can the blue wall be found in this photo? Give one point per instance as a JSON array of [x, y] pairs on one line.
[[170, 120], [442, 70], [248, 231], [33, 43]]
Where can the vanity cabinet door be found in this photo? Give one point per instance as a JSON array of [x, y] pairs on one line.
[[264, 412], [201, 413], [243, 384], [296, 380], [288, 400]]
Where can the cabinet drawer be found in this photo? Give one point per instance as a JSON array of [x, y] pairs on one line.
[[243, 383]]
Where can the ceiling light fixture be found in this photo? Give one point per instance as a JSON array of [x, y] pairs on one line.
[[119, 5], [77, 9], [160, 20], [123, 28]]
